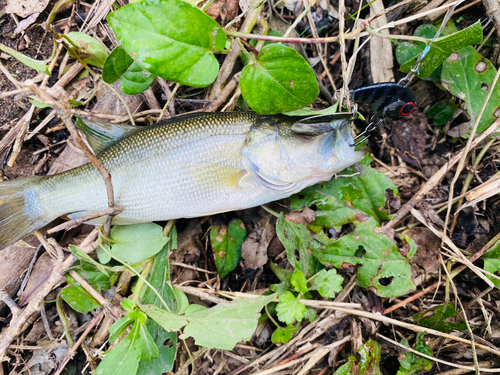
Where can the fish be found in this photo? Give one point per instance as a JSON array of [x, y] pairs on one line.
[[185, 167], [387, 100]]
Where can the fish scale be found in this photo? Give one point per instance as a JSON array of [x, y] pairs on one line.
[[189, 166]]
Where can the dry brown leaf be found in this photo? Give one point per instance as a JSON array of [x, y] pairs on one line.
[[24, 8], [254, 249]]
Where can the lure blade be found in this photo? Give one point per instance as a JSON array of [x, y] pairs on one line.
[[386, 100]]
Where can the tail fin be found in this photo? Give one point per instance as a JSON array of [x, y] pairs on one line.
[[20, 210]]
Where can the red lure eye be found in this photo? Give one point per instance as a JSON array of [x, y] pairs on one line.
[[407, 109]]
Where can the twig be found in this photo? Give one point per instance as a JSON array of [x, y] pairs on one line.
[[76, 222], [408, 349], [20, 323], [434, 180], [74, 348], [224, 94], [64, 113]]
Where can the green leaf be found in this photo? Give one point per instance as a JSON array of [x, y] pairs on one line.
[[290, 309], [171, 39], [165, 341], [468, 75], [128, 305], [411, 363], [307, 111], [136, 242], [296, 238], [116, 65], [443, 47], [442, 112], [299, 282], [310, 314], [382, 265], [281, 273], [135, 80], [282, 335], [223, 326], [281, 287], [118, 327], [280, 80], [335, 198], [492, 263], [443, 318], [327, 283], [124, 358], [168, 320], [40, 66], [38, 103], [149, 349], [78, 298], [90, 50], [226, 244], [346, 368], [369, 361]]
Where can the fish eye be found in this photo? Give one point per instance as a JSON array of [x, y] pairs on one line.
[[407, 109]]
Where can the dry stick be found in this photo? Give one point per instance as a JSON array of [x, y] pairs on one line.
[[230, 60], [22, 321], [64, 112], [412, 298], [74, 348], [18, 144], [76, 222], [461, 164], [413, 327], [332, 39], [434, 180], [224, 94]]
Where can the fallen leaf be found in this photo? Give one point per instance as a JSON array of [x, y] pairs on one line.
[[254, 249]]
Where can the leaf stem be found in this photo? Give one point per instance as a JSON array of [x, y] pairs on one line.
[[271, 318], [140, 283]]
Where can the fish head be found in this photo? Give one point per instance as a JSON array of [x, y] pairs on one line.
[[285, 155]]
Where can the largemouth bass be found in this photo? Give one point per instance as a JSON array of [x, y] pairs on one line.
[[186, 167]]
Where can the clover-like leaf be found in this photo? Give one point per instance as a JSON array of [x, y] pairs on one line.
[[171, 39], [280, 80], [290, 309], [327, 283]]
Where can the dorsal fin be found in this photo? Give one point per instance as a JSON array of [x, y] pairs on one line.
[[316, 125], [102, 135]]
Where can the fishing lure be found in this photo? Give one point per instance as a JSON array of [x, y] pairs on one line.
[[386, 100]]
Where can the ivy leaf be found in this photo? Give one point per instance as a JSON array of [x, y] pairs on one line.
[[468, 75], [124, 358], [443, 47], [226, 243], [290, 309], [171, 39], [282, 335], [90, 50], [327, 283], [443, 318], [136, 242], [299, 282], [280, 80]]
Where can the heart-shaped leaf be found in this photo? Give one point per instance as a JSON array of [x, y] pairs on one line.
[[280, 80], [171, 39]]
